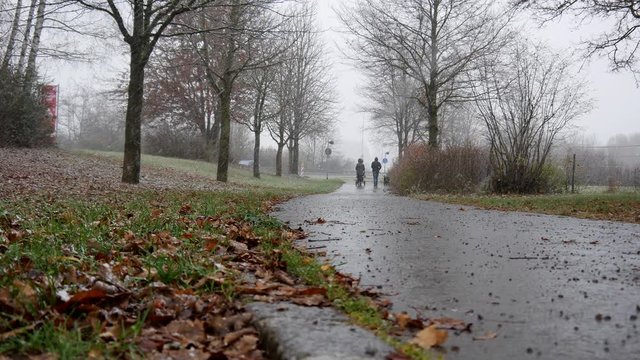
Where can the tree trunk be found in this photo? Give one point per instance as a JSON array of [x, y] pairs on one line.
[[290, 148], [30, 71], [225, 132], [133, 125], [27, 33], [432, 90], [256, 152], [279, 159], [12, 37], [433, 124], [212, 137], [295, 163]]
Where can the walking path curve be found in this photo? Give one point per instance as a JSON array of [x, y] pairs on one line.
[[550, 287]]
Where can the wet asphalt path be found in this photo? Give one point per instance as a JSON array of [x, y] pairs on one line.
[[550, 287]]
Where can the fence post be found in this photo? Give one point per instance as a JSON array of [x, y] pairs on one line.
[[573, 175]]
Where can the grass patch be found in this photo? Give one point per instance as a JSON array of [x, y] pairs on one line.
[[617, 206], [149, 249], [237, 175]]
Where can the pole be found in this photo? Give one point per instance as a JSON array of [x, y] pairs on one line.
[[573, 175]]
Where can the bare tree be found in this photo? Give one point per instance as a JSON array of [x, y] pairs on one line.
[[26, 36], [393, 105], [462, 128], [278, 128], [13, 33], [178, 92], [30, 71], [260, 82], [436, 42], [527, 98], [621, 43], [311, 86], [303, 90], [228, 53], [142, 24]]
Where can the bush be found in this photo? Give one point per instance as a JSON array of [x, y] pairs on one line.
[[553, 180], [459, 169], [23, 118], [524, 179], [166, 141]]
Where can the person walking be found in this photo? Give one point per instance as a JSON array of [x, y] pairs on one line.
[[375, 170], [360, 173]]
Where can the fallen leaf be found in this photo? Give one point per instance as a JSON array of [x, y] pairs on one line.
[[397, 356], [314, 222], [489, 335], [430, 337], [313, 300], [210, 243], [185, 209], [325, 267], [187, 330], [452, 324], [238, 247], [311, 291], [83, 297], [284, 278], [237, 335], [16, 332], [15, 235], [402, 319]]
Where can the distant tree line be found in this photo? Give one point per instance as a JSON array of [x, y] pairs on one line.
[[456, 84], [195, 68]]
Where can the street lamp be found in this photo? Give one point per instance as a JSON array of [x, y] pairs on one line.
[[327, 152]]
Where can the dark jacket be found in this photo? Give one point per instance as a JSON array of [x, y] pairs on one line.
[[376, 166], [360, 169]]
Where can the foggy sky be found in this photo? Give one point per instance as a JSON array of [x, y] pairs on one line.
[[615, 95]]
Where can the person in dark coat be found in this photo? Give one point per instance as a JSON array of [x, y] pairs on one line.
[[359, 172], [375, 170]]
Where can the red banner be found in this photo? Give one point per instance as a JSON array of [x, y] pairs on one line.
[[50, 100]]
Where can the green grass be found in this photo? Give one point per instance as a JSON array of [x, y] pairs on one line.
[[236, 175], [65, 234], [623, 206]]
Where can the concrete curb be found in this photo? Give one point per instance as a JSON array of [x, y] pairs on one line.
[[293, 332]]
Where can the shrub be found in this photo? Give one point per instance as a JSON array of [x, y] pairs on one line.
[[458, 169], [23, 118], [525, 179]]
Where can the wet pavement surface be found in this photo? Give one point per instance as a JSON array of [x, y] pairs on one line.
[[550, 287]]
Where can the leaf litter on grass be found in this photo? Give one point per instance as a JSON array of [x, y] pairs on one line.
[[165, 279]]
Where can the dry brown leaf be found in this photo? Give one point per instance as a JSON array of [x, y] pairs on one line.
[[402, 319], [452, 324], [236, 335], [182, 354], [325, 267], [311, 291], [311, 300], [15, 235], [238, 247], [489, 335], [186, 329], [26, 292], [16, 332], [284, 278], [430, 337], [397, 356]]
